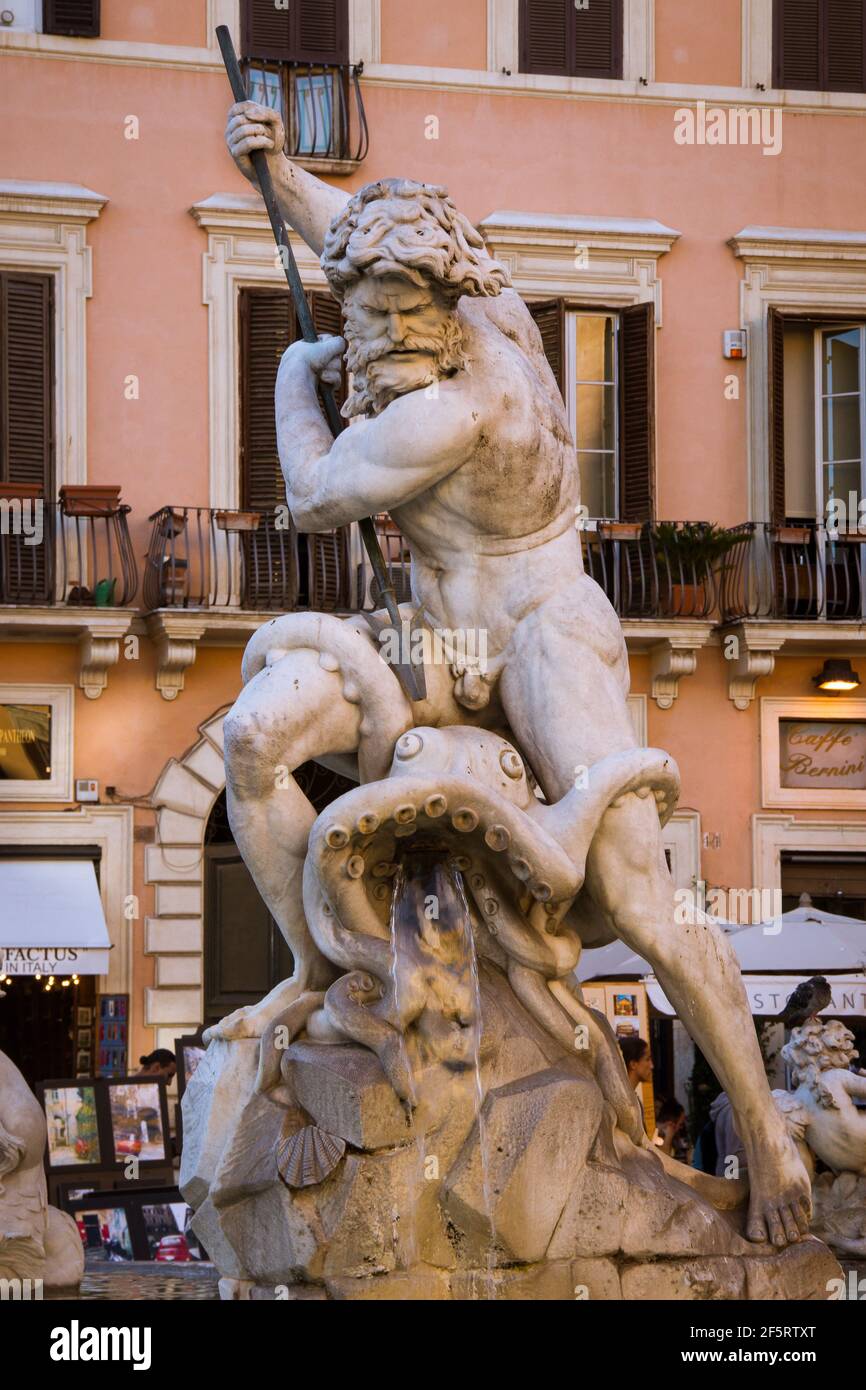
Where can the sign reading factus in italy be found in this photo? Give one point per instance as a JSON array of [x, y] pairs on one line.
[[825, 754]]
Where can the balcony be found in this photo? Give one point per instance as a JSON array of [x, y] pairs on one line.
[[793, 573], [322, 109], [656, 570], [213, 574], [67, 569]]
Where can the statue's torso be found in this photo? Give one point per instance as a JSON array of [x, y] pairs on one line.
[[497, 535]]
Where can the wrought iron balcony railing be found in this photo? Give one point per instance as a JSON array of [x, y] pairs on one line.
[[75, 553], [321, 105], [202, 557], [654, 569], [800, 572]]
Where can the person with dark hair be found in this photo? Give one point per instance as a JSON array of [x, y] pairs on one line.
[[159, 1063], [638, 1060], [638, 1064], [670, 1132]]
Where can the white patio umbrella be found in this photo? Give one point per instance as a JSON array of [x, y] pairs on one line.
[[805, 940]]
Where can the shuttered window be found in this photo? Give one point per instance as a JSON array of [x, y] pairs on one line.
[[268, 325], [820, 45], [76, 18], [305, 31], [636, 395], [637, 413], [26, 380], [566, 38]]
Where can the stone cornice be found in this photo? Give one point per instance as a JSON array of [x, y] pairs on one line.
[[57, 202], [636, 235], [799, 243]]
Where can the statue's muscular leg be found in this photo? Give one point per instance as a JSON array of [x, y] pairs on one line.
[[628, 879], [287, 714]]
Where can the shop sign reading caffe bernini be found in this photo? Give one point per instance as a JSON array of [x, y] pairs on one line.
[[814, 753], [823, 753]]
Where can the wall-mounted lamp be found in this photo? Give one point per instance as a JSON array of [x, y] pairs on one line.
[[837, 676]]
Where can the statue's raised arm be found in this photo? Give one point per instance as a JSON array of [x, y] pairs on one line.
[[306, 202]]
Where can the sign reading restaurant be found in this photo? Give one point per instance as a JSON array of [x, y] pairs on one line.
[[827, 754]]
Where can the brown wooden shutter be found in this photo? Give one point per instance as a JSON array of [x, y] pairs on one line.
[[322, 33], [598, 39], [26, 379], [637, 413], [266, 31], [549, 315], [843, 45], [776, 432], [77, 18], [797, 30], [558, 38], [544, 35], [268, 326], [305, 31]]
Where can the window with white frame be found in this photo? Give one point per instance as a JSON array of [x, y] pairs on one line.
[[825, 416], [592, 401]]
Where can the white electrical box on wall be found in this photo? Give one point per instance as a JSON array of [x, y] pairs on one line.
[[86, 789]]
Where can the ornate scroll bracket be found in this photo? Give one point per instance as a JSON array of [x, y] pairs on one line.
[[99, 649], [755, 658], [176, 639], [671, 659]]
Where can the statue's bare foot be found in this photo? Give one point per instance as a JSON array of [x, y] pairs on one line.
[[253, 1020], [780, 1200]]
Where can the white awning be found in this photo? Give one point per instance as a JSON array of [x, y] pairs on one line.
[[51, 918]]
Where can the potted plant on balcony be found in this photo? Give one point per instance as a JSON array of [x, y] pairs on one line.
[[686, 554]]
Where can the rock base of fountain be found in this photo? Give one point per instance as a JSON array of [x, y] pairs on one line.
[[336, 1194]]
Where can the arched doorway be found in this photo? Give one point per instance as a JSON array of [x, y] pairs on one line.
[[245, 955]]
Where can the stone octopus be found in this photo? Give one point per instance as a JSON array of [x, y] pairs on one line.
[[464, 791]]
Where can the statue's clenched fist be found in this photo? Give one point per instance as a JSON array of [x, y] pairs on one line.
[[252, 126], [323, 359]]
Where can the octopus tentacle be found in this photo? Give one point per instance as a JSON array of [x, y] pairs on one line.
[[351, 1007], [293, 1020], [346, 647]]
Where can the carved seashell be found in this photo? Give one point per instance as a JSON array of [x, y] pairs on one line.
[[464, 819], [409, 746], [497, 837], [355, 867], [435, 806], [368, 823], [520, 869], [405, 814], [308, 1156], [336, 836], [511, 763]]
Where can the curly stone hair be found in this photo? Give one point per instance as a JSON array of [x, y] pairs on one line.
[[401, 227]]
